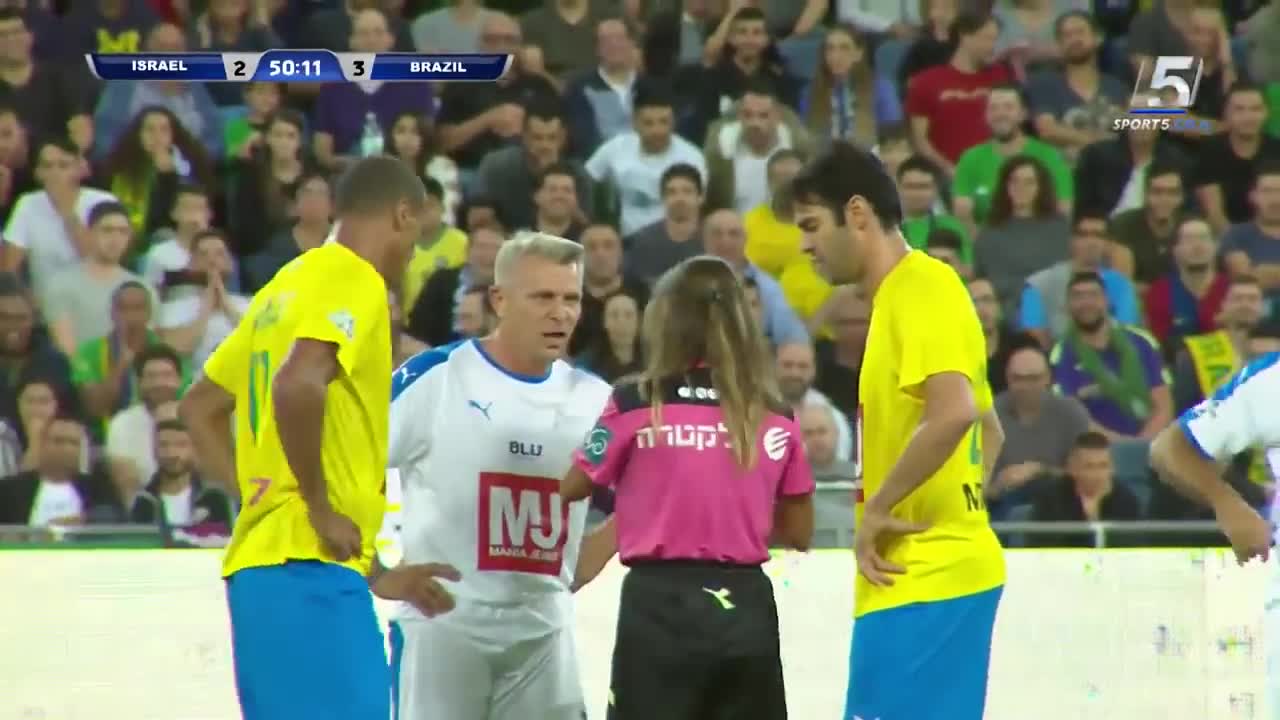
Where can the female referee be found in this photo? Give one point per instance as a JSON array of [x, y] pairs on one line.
[[706, 464]]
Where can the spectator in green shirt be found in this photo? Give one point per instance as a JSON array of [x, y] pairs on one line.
[[918, 188], [979, 166]]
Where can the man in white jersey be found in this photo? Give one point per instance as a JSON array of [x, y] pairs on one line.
[[482, 431], [1240, 415]]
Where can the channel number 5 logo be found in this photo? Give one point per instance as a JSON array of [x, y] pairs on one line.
[[1169, 78]]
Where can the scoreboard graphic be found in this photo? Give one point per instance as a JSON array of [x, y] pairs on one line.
[[318, 66]]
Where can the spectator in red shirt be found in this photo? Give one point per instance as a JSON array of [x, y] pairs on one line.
[[1188, 300], [947, 104]]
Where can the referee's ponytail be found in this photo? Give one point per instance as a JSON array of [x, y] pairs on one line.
[[699, 315]]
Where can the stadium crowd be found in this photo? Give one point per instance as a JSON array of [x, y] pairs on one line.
[[1120, 276]]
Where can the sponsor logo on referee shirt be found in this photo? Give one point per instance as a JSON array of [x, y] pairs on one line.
[[775, 443], [596, 444]]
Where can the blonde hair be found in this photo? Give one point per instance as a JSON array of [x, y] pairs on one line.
[[699, 315], [527, 243]]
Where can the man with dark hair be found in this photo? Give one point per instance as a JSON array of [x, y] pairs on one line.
[[175, 495], [1187, 301], [1252, 246], [661, 245], [1142, 237], [192, 215], [1088, 492], [130, 452], [555, 199], [932, 438], [56, 492], [440, 247], [306, 377], [947, 245], [25, 349], [1209, 359], [918, 183], [102, 367], [1228, 163]]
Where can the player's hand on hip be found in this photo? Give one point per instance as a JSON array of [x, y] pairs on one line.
[[338, 532], [874, 532], [1249, 533], [419, 585]]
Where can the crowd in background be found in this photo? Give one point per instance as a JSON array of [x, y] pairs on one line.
[[1120, 276]]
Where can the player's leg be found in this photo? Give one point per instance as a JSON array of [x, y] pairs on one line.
[[307, 644], [396, 636], [944, 646], [538, 679], [441, 674], [660, 660], [747, 680]]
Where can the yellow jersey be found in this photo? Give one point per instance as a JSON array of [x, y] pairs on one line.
[[923, 324], [448, 251], [772, 244], [302, 301]]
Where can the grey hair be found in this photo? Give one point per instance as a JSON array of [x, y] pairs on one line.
[[527, 243]]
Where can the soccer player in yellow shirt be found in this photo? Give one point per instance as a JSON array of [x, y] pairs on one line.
[[307, 375], [930, 569]]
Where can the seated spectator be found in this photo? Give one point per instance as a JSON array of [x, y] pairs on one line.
[[1039, 429], [508, 175], [347, 113], [47, 96], [260, 203], [413, 138], [192, 213], [1210, 42], [1110, 174], [56, 492], [233, 26], [37, 399], [1043, 311], [16, 177], [599, 100], [194, 325], [1187, 301], [839, 359], [946, 103], [333, 28], [26, 352], [602, 278], [1209, 359], [918, 187], [482, 212], [563, 34], [478, 118], [107, 27], [818, 425], [1074, 107], [454, 28], [433, 317], [154, 156], [796, 370], [741, 55], [737, 150], [47, 229], [474, 317], [130, 452], [616, 351], [661, 245], [1113, 369], [1025, 231], [1228, 163], [1252, 247], [242, 135], [1088, 493], [724, 237], [978, 171], [1030, 35], [102, 367], [632, 164], [312, 222], [440, 247], [1159, 29], [176, 496], [948, 246], [774, 243], [935, 43], [848, 100], [1142, 237], [1002, 339], [555, 201], [893, 150], [189, 105], [78, 300]]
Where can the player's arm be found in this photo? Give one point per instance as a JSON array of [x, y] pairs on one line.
[[992, 443], [298, 397], [206, 409], [599, 546]]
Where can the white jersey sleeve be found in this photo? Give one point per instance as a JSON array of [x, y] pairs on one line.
[[1240, 415], [409, 436]]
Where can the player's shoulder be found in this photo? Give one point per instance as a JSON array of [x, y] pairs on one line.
[[420, 366], [925, 280], [1261, 373], [587, 389]]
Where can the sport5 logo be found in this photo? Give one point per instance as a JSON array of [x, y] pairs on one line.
[[523, 524]]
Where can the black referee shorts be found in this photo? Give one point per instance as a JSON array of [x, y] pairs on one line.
[[697, 641]]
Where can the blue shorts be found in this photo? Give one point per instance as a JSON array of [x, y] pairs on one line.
[[924, 661], [307, 644]]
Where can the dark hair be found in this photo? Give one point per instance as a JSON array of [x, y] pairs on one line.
[[128, 160], [480, 201], [1085, 277], [1267, 168], [1241, 87], [918, 163], [1069, 15], [1091, 440], [156, 352], [171, 425], [749, 13], [376, 184], [845, 171], [126, 286], [1046, 202], [650, 93], [104, 210], [1083, 214], [62, 143], [760, 87], [1249, 280], [970, 23], [680, 170], [941, 237], [1015, 90], [1160, 167], [543, 111], [556, 169], [894, 135], [211, 233], [699, 314], [308, 176], [783, 155], [433, 187], [426, 145]]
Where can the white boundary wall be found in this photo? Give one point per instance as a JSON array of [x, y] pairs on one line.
[[1121, 634]]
